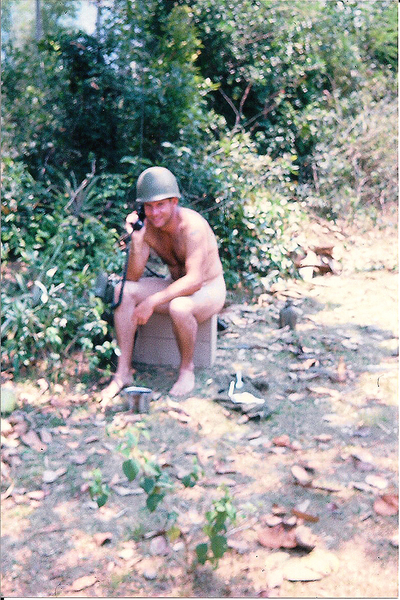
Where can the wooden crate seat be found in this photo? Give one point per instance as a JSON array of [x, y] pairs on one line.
[[156, 345]]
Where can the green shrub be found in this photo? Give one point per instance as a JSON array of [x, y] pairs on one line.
[[355, 166], [248, 200], [49, 308]]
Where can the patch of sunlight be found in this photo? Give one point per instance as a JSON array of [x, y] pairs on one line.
[[15, 522], [380, 386], [357, 570], [391, 344], [210, 416], [67, 511]]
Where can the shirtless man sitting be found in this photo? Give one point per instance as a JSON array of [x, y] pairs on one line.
[[195, 290]]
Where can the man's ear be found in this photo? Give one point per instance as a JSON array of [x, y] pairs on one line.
[[174, 201]]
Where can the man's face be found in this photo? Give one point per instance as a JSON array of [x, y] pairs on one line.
[[160, 212]]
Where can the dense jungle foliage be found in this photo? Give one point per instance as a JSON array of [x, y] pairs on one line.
[[264, 109]]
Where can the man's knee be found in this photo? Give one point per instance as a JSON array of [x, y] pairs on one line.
[[129, 291], [180, 307]]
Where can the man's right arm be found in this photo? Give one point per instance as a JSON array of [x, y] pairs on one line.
[[139, 252]]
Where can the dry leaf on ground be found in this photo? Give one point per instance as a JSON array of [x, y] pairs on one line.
[[31, 439], [306, 516], [305, 537], [282, 440], [239, 546], [6, 427], [254, 435], [83, 582], [376, 481], [328, 486], [51, 476], [127, 553], [362, 455], [223, 468], [301, 475], [125, 491], [387, 505], [314, 566], [91, 438], [182, 418], [277, 537], [101, 538], [36, 495], [279, 510], [323, 391], [323, 437], [43, 384], [271, 520]]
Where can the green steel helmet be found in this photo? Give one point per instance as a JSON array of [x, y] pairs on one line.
[[156, 183]]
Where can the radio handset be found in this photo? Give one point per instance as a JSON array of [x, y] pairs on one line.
[[140, 222]]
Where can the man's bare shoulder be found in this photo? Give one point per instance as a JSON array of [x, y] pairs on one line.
[[192, 220]]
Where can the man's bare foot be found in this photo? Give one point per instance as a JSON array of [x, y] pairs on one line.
[[184, 383], [114, 388]]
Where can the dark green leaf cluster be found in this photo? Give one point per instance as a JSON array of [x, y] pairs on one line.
[[98, 490], [218, 518], [155, 481]]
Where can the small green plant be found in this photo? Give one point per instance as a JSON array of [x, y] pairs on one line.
[[99, 491], [192, 478], [155, 481], [218, 518]]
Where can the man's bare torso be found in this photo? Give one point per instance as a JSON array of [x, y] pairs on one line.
[[171, 247]]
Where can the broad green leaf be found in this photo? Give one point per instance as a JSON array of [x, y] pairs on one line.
[[219, 545], [201, 552], [153, 501], [101, 500], [188, 481], [173, 533], [152, 468], [131, 469], [148, 484]]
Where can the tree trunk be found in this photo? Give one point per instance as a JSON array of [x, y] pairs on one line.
[[98, 20], [39, 26]]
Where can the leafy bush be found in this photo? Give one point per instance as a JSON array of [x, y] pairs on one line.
[[46, 315], [248, 200], [356, 164], [50, 260]]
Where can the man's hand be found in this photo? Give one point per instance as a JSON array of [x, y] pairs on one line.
[[143, 311], [130, 220]]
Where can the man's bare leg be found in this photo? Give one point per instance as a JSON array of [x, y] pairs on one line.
[[185, 328], [186, 313], [125, 328]]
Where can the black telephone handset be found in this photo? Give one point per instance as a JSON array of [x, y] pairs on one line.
[[140, 222]]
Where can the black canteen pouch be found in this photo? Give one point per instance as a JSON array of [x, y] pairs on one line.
[[104, 288]]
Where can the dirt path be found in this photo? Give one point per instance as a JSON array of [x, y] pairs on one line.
[[325, 458]]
